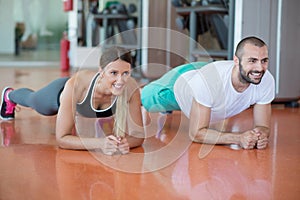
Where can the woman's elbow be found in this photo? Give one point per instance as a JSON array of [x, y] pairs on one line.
[[137, 143], [141, 141], [61, 142]]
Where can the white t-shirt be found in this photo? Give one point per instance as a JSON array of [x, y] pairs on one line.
[[211, 86]]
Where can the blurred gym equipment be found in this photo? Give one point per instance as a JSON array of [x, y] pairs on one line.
[[200, 16]]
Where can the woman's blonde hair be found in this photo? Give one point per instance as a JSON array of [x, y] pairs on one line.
[[109, 55]]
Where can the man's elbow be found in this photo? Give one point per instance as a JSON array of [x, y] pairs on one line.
[[196, 136]]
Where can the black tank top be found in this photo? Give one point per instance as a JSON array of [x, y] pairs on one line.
[[85, 108]]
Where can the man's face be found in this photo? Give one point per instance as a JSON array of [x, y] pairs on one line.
[[253, 64]]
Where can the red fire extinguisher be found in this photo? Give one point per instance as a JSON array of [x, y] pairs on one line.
[[68, 5], [64, 53]]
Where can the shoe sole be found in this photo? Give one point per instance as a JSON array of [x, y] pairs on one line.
[[2, 97]]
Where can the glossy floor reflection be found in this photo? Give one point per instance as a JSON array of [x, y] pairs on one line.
[[167, 166]]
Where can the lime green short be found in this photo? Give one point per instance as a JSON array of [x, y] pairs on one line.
[[158, 96]]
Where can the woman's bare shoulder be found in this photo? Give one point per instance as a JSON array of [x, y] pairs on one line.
[[82, 77], [81, 81], [133, 88]]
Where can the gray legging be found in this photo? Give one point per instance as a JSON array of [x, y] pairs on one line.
[[45, 101]]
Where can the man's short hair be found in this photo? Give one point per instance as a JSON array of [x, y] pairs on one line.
[[248, 40]]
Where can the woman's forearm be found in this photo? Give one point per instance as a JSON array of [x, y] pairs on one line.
[[77, 143]]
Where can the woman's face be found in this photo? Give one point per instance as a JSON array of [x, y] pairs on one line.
[[115, 76]]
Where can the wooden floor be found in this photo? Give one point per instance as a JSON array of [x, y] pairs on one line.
[[167, 166]]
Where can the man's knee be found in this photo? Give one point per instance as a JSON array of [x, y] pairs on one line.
[[157, 98]]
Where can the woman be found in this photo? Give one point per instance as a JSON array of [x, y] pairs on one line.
[[108, 94]]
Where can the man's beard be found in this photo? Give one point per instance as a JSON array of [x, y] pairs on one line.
[[244, 77]]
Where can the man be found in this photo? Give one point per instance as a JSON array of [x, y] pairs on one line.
[[219, 90]]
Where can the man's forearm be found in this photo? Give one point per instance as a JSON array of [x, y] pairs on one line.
[[246, 140], [263, 128], [211, 136]]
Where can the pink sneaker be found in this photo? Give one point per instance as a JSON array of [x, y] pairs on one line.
[[7, 106]]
